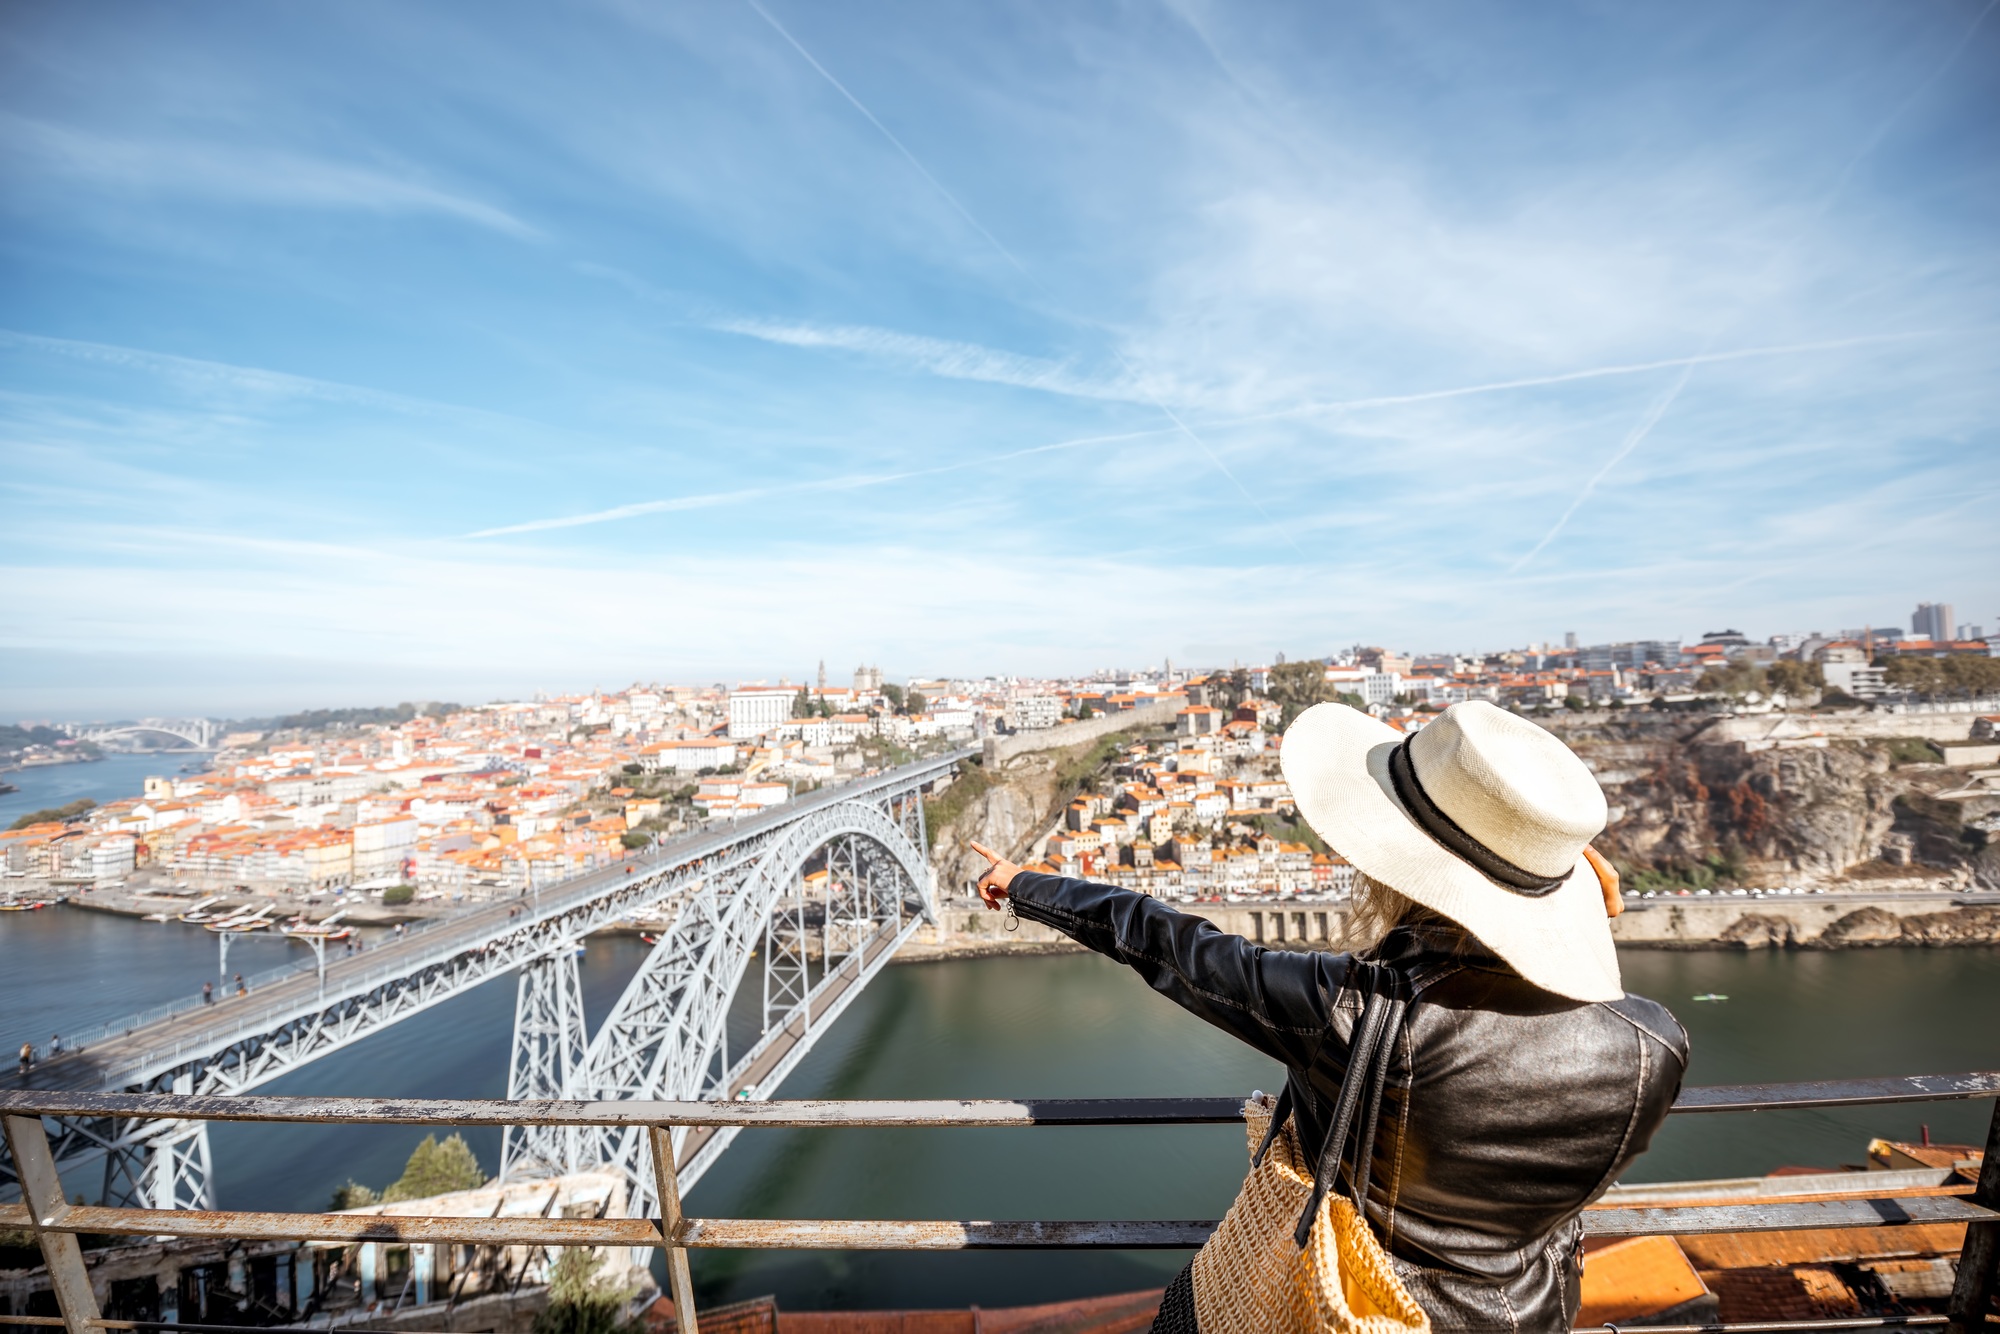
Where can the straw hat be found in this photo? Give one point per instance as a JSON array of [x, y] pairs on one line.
[[1481, 816]]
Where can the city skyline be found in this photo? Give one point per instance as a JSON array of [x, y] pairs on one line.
[[375, 354]]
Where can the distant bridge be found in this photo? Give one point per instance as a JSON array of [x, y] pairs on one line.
[[727, 894], [198, 733]]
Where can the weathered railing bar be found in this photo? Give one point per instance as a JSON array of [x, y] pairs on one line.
[[924, 1234], [776, 1113], [673, 1227], [1838, 1092]]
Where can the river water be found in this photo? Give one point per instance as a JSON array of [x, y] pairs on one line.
[[1060, 1026], [115, 776]]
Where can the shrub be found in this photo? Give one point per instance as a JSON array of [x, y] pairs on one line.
[[353, 1195], [579, 1301], [396, 894], [634, 839]]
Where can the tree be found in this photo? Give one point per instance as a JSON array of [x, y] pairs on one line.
[[1574, 703], [914, 702], [894, 694], [1794, 679], [398, 894], [55, 814], [632, 838], [579, 1301], [1297, 686], [436, 1169], [1955, 676], [802, 705]]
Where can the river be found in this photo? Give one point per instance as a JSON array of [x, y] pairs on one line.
[[110, 779], [1052, 1026]]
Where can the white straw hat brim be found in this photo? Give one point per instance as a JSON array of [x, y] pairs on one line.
[[1336, 760]]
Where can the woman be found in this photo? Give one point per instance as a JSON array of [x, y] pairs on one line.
[[1524, 1080]]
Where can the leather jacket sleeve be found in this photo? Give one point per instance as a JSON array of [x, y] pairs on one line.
[[1278, 1002]]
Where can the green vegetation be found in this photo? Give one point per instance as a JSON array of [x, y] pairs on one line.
[[1740, 678], [316, 719], [914, 702], [54, 813], [579, 1301], [398, 894], [633, 839], [13, 737], [436, 1168], [1909, 750], [1718, 868], [1297, 686], [433, 1169], [1285, 830], [972, 783], [1082, 769], [1949, 677], [353, 1195]]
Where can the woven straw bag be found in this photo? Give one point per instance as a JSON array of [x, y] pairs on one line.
[[1292, 1256]]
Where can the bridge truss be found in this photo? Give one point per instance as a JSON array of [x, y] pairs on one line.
[[725, 897]]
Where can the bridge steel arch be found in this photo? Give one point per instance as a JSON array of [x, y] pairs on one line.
[[668, 1031]]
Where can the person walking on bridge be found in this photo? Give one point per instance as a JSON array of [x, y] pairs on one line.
[[1456, 1091]]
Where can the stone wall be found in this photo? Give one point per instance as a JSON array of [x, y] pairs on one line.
[[1000, 749]]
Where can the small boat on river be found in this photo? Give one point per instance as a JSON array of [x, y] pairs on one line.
[[22, 905], [200, 911], [254, 921], [329, 927]]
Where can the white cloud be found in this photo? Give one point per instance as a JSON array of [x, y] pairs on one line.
[[237, 174]]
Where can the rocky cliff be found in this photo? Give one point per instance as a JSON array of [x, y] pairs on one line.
[[1692, 804]]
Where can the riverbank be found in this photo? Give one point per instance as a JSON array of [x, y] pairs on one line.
[[1721, 920]]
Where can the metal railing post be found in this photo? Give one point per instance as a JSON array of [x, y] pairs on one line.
[[41, 1191], [1978, 1282], [667, 1185]]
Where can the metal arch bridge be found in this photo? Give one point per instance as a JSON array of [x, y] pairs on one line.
[[726, 895], [200, 733]]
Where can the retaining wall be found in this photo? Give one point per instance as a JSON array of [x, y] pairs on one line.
[[999, 749]]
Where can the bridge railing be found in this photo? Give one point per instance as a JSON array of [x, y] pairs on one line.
[[56, 1224]]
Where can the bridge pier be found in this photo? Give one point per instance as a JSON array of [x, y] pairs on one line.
[[550, 1042]]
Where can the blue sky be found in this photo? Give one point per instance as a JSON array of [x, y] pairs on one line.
[[368, 351]]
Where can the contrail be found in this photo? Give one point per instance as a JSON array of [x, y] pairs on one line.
[[710, 500], [1638, 434], [848, 482], [1594, 373], [1867, 146], [1022, 269]]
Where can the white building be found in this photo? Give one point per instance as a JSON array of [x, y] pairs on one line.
[[381, 845], [1031, 712], [755, 710]]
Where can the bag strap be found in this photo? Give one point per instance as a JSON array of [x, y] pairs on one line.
[[1370, 1051]]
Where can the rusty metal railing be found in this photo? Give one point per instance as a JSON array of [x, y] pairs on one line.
[[56, 1224]]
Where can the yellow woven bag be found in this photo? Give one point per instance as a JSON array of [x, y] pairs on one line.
[[1252, 1277], [1291, 1257]]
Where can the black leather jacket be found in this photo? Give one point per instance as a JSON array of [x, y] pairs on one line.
[[1508, 1108]]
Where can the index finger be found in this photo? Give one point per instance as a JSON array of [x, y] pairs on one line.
[[988, 853]]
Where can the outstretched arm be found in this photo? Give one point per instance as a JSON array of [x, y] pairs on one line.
[[1276, 1001]]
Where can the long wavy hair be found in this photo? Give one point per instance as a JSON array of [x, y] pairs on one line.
[[1379, 909]]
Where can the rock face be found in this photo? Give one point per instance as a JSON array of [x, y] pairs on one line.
[[1757, 931], [1868, 926], [1683, 796], [1007, 818]]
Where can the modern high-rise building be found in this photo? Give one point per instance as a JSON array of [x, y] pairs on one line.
[[1933, 621]]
